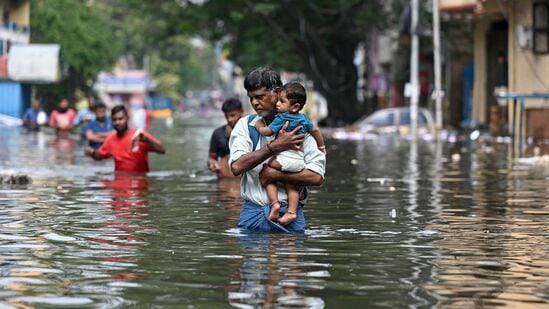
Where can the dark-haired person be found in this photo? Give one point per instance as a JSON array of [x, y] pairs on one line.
[[62, 118], [291, 99], [250, 159], [97, 130], [128, 146], [219, 143]]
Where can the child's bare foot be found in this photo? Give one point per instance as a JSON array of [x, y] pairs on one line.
[[288, 218], [275, 207]]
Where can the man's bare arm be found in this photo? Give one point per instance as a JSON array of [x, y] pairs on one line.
[[90, 152], [96, 137], [213, 165], [284, 141], [156, 145], [304, 178]]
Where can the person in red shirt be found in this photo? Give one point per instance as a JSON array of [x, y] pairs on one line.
[[128, 146]]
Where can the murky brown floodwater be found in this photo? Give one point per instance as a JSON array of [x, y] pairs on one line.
[[448, 226]]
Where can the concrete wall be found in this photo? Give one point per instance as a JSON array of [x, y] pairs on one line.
[[479, 89], [20, 14], [528, 72]]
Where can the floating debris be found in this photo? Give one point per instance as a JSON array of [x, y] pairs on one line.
[[15, 179]]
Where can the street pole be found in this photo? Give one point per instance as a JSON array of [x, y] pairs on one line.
[[414, 68], [436, 50]]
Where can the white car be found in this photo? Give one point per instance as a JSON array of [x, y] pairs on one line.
[[387, 121]]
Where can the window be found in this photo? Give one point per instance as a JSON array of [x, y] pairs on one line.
[[382, 119], [405, 118], [540, 27]]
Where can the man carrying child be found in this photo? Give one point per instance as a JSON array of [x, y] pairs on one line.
[[251, 152]]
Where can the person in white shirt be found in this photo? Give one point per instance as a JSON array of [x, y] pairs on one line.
[[249, 153]]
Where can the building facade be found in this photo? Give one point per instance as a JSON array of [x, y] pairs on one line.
[[518, 31], [14, 29]]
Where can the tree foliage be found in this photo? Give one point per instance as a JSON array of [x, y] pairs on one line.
[[160, 36], [88, 44], [318, 37]]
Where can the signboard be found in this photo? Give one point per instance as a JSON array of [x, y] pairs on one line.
[[34, 63], [131, 81], [457, 5]]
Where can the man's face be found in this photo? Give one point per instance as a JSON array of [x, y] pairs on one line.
[[233, 116], [100, 113], [120, 122], [263, 101]]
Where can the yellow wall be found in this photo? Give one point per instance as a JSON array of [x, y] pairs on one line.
[[528, 72], [479, 88], [21, 14]]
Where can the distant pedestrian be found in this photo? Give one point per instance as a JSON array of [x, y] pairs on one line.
[[97, 130], [85, 112], [219, 143], [128, 146], [62, 118], [35, 116]]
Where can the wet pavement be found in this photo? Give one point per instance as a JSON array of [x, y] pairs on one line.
[[448, 225]]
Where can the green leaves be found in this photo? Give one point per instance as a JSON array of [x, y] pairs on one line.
[[87, 42]]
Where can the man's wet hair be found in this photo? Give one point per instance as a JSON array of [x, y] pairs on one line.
[[262, 77], [296, 93], [231, 105], [119, 108]]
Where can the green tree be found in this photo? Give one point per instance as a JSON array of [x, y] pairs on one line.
[[316, 37], [88, 44], [160, 37]]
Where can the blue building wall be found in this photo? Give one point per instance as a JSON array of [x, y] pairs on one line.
[[14, 98]]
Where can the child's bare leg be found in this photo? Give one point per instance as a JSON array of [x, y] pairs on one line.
[[293, 200], [272, 193]]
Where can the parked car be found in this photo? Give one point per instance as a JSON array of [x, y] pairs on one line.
[[387, 121]]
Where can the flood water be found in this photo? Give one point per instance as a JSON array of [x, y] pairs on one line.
[[452, 225]]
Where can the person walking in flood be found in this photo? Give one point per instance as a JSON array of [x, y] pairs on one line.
[[219, 143], [35, 116], [128, 146], [62, 118], [97, 130], [250, 153]]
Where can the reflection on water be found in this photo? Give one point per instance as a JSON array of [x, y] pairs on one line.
[[395, 225]]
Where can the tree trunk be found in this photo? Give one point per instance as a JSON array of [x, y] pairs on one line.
[[336, 79]]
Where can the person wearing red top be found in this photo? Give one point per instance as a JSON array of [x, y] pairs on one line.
[[62, 119], [128, 146]]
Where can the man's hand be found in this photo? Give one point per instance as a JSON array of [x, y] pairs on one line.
[[287, 140], [213, 165], [89, 151]]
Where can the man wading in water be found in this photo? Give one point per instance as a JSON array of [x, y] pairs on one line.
[[250, 152], [129, 147]]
